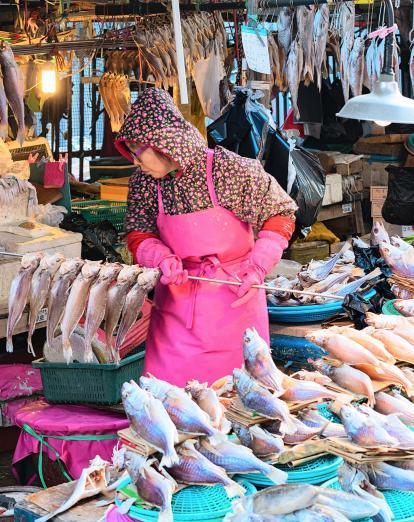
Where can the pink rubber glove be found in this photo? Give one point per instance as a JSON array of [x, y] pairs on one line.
[[153, 253], [266, 253]]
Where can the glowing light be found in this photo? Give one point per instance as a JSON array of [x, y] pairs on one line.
[[48, 79]]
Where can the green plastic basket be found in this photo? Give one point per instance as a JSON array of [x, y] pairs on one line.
[[400, 502], [389, 309], [313, 472], [194, 503], [88, 383], [100, 209]]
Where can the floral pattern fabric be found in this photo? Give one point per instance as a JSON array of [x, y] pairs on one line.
[[242, 186]]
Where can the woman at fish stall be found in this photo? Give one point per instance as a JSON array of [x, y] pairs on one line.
[[193, 211]]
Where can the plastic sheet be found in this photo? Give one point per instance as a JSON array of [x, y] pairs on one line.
[[398, 208]]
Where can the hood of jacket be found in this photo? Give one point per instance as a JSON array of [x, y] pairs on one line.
[[156, 121]]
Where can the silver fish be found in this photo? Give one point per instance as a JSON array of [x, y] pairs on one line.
[[58, 294], [360, 243], [39, 289], [405, 307], [297, 390], [349, 505], [400, 243], [12, 82], [19, 293], [209, 402], [96, 308], [194, 468], [322, 286], [284, 28], [392, 402], [134, 301], [259, 399], [116, 300], [320, 36], [404, 464], [363, 430], [259, 363], [76, 303], [150, 421], [346, 49], [187, 416], [314, 419], [305, 18], [235, 458], [356, 481], [400, 263], [379, 234], [303, 432], [356, 66], [260, 441], [4, 125], [152, 487], [294, 66], [353, 286], [323, 269], [385, 476]]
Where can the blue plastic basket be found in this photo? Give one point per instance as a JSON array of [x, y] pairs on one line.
[[400, 502], [308, 313], [194, 503], [313, 472], [323, 410], [294, 350]]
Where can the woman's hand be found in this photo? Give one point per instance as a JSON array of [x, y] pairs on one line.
[[250, 275], [173, 272]]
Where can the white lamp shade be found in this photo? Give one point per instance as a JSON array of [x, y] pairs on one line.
[[385, 103]]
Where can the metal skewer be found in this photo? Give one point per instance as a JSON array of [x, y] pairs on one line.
[[11, 254], [266, 287]]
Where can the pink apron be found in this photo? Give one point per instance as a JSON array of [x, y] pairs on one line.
[[194, 333]]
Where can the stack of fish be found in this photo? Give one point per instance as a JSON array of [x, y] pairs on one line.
[[301, 503], [116, 97], [73, 288], [337, 276]]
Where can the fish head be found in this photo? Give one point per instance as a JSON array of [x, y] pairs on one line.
[[91, 269], [128, 273], [148, 278], [133, 396], [195, 388], [350, 477], [134, 463], [110, 271], [321, 365], [378, 234], [52, 262], [318, 337], [71, 265], [156, 387], [31, 260], [253, 344]]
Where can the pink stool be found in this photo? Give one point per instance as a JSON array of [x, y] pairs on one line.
[[69, 434]]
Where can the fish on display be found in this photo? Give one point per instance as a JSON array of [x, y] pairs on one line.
[[400, 243], [294, 67], [405, 307], [209, 402], [342, 348], [379, 234], [186, 415], [4, 125], [134, 301], [320, 272], [76, 303], [305, 18], [39, 289], [19, 293], [12, 82], [115, 301], [360, 243], [303, 432], [320, 36], [284, 28], [398, 347], [58, 294], [261, 442], [96, 308], [329, 283], [152, 487], [387, 373], [193, 467], [388, 322], [356, 481], [314, 419], [234, 458], [363, 430], [305, 375], [365, 339], [348, 504], [346, 50], [150, 421], [348, 378], [401, 263], [260, 400], [356, 66], [297, 390], [393, 402], [386, 476], [259, 363], [353, 286]]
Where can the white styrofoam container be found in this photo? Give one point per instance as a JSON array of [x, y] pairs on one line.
[[17, 211], [333, 190]]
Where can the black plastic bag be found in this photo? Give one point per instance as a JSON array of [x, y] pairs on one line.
[[241, 126], [97, 238], [398, 208], [369, 259], [356, 306]]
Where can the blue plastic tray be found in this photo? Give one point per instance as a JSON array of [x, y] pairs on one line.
[[194, 503], [308, 313], [400, 502]]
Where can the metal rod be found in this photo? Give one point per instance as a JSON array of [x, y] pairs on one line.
[[139, 8], [79, 45], [266, 287], [11, 254]]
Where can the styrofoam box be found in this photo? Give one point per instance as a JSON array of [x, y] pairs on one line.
[[67, 243], [333, 190], [12, 213]]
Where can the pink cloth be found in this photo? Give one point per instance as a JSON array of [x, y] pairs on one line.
[[113, 515], [194, 333], [19, 380], [10, 409], [50, 419], [54, 174]]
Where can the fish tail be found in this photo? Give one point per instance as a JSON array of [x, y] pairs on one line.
[[277, 476], [30, 345], [217, 438], [288, 426], [20, 136], [169, 459], [67, 350], [88, 354], [235, 490], [9, 345], [166, 515]]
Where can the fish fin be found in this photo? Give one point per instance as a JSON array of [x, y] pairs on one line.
[[169, 460], [217, 438], [30, 346], [9, 345], [20, 136], [209, 447], [277, 476], [67, 351], [235, 490], [166, 515], [288, 426]]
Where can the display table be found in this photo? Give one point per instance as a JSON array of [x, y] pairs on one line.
[[72, 435]]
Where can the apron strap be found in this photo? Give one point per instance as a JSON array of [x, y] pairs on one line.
[[160, 203], [210, 184]]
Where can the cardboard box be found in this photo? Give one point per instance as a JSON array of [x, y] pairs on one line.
[[333, 190], [347, 164], [376, 208], [374, 173], [378, 193]]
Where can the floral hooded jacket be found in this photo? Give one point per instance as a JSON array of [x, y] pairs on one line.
[[242, 186]]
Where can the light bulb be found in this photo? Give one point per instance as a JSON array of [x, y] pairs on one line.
[[382, 123], [48, 80]]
